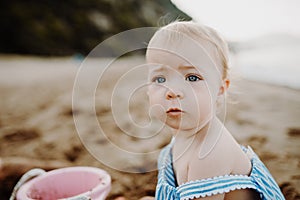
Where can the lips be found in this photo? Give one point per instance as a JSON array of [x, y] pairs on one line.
[[174, 111]]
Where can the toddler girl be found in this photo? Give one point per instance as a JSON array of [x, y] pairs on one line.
[[188, 75]]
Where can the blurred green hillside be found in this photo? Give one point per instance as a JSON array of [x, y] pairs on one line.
[[54, 27]]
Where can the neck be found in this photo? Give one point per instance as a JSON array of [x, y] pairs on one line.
[[200, 130], [204, 137]]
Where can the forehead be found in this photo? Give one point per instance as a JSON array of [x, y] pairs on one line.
[[179, 59], [179, 49], [174, 49], [164, 57]]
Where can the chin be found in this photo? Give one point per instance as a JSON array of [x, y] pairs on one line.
[[180, 126]]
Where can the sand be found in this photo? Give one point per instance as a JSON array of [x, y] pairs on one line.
[[37, 127]]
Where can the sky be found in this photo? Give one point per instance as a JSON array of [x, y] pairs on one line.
[[240, 20]]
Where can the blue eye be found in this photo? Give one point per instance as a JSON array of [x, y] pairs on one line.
[[159, 79], [193, 78]]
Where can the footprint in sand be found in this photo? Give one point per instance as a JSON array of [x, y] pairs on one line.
[[293, 132], [73, 154], [257, 139], [289, 191], [267, 155], [69, 112], [21, 135]]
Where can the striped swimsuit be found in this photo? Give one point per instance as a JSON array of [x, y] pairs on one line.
[[260, 180]]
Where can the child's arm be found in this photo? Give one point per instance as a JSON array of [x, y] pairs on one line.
[[246, 194], [147, 198]]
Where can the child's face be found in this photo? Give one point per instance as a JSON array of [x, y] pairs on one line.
[[184, 88]]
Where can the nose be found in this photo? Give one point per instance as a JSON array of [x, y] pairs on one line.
[[173, 94]]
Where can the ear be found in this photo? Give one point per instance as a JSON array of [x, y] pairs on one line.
[[224, 87]]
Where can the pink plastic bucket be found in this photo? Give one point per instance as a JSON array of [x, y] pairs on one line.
[[67, 183]]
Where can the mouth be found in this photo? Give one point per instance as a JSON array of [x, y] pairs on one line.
[[174, 111]]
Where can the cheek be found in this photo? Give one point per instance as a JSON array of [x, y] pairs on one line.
[[155, 95], [156, 102], [152, 97], [202, 100]]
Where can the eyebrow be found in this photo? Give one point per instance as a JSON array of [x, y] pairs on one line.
[[190, 67], [183, 67], [186, 67]]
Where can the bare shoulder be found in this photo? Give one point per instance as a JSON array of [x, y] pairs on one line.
[[225, 158], [241, 163], [238, 160]]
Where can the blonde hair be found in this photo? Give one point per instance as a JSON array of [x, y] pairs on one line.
[[197, 31]]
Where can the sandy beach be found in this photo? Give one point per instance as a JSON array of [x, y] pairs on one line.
[[37, 124]]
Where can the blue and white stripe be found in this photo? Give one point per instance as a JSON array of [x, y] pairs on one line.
[[260, 179]]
